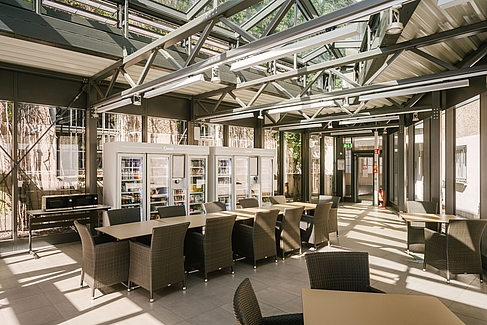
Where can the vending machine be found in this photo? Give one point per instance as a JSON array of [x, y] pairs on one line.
[[237, 173], [152, 176]]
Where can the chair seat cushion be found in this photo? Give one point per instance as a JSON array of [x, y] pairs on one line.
[[291, 319]]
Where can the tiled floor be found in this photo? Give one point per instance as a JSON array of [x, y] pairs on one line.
[[46, 290]]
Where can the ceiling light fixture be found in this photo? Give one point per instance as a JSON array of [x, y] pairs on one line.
[[215, 75], [302, 126], [301, 107], [260, 117], [416, 90], [339, 34], [340, 133], [395, 25], [200, 78], [114, 105], [231, 117]]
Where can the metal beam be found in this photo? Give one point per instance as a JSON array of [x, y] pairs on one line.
[[307, 8], [375, 53], [474, 57], [433, 59], [196, 49], [170, 59], [271, 27], [226, 9], [383, 67], [261, 14], [196, 8], [243, 33]]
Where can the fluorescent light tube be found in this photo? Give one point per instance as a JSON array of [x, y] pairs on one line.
[[302, 126], [368, 120], [416, 90], [108, 107], [351, 132], [301, 106], [231, 117], [309, 43], [175, 86]]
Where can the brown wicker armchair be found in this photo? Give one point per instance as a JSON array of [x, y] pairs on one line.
[[172, 211], [212, 251], [415, 233], [217, 206], [288, 237], [278, 199], [333, 217], [249, 203], [247, 310], [119, 216], [257, 241], [103, 264], [160, 264], [315, 229], [457, 251], [340, 270]]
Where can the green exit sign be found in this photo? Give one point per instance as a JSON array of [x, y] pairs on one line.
[[347, 145]]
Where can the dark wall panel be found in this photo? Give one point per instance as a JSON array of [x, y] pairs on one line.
[[50, 91], [6, 85]]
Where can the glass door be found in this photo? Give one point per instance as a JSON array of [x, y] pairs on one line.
[[197, 184], [132, 181], [241, 178], [266, 178], [159, 173], [224, 181]]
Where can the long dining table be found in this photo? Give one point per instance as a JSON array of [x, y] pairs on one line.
[[143, 228]]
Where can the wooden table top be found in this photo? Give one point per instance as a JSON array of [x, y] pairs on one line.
[[352, 308], [429, 217], [131, 229]]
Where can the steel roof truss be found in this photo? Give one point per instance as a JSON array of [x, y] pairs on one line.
[[196, 8], [474, 57], [433, 59], [282, 90], [148, 65], [271, 27], [311, 82], [257, 94], [196, 49], [262, 14], [170, 59], [383, 67], [307, 8], [344, 77], [243, 33], [127, 77], [238, 100], [112, 83]]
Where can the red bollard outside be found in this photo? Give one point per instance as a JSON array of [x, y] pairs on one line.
[[382, 204]]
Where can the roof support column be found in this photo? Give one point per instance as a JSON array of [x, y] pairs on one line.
[[482, 173], [322, 165], [435, 150], [15, 157], [259, 134], [339, 173], [401, 165], [281, 161], [90, 145], [226, 135], [450, 165], [426, 159], [306, 164]]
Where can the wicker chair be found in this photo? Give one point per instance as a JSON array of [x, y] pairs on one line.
[[212, 251], [457, 251], [415, 233], [247, 310], [162, 263], [257, 241], [249, 203], [217, 206], [316, 228], [333, 217], [278, 199], [172, 211], [288, 237], [103, 264], [340, 270], [119, 216]]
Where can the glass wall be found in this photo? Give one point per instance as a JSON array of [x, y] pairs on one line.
[[241, 137], [161, 130], [6, 165], [292, 166], [315, 157], [467, 159], [271, 141], [418, 161], [210, 135], [328, 156]]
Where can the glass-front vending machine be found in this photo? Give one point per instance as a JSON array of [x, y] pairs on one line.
[[224, 181], [197, 184], [159, 170]]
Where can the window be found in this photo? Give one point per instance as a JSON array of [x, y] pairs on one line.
[[461, 164]]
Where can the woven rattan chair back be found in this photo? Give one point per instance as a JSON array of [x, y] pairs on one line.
[[421, 207], [172, 211], [341, 270], [333, 216], [217, 206], [217, 243], [103, 264], [321, 223], [278, 199], [264, 238], [249, 203], [245, 305], [119, 216], [162, 263], [289, 235]]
